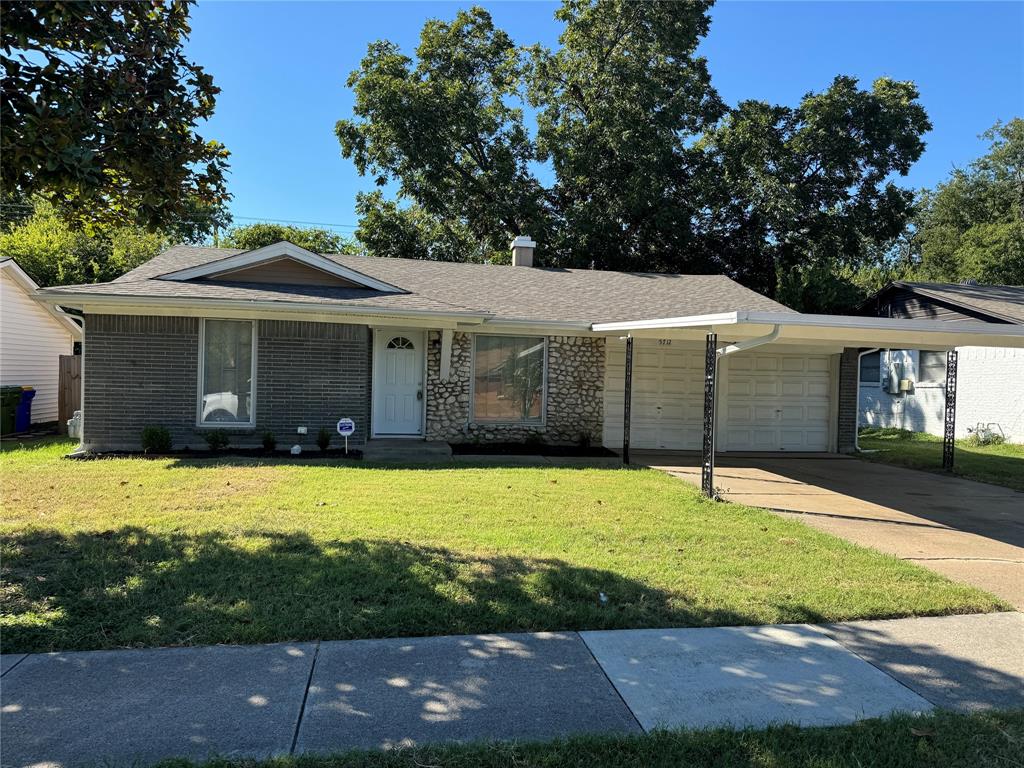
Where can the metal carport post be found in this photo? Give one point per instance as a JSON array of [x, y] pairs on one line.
[[707, 457], [949, 426]]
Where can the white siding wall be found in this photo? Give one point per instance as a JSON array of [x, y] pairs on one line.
[[990, 389], [31, 340]]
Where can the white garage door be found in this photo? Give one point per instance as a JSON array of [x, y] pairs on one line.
[[777, 402], [770, 402], [668, 396]]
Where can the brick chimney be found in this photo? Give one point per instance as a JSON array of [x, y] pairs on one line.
[[522, 251]]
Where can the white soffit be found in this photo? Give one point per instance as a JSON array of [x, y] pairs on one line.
[[276, 251], [829, 330]]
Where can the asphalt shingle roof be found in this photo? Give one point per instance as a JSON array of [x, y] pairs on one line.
[[518, 293], [1006, 301]]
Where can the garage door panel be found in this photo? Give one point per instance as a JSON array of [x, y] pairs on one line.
[[739, 387], [778, 402], [772, 401]]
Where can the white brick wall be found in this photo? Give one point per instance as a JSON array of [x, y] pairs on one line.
[[990, 383]]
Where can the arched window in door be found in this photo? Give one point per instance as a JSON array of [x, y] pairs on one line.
[[400, 342]]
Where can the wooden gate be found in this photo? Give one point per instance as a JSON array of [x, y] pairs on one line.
[[69, 389]]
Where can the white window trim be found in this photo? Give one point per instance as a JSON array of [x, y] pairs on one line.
[[544, 383], [251, 424]]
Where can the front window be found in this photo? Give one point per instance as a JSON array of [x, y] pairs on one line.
[[931, 368], [508, 379], [227, 373]]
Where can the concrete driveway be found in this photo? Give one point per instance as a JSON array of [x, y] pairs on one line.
[[972, 532]]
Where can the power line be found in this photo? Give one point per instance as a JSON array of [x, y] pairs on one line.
[[261, 219]]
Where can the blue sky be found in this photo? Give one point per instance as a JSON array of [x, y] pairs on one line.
[[282, 68]]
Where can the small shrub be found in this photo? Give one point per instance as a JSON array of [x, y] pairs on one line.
[[269, 441], [216, 439], [980, 438], [534, 440], [323, 439], [156, 440], [584, 440]]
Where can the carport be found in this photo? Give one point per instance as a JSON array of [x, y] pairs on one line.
[[725, 336]]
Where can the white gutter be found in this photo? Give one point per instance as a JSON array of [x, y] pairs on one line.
[[739, 346], [856, 412]]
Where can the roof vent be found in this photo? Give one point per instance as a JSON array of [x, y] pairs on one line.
[[969, 281], [522, 251]]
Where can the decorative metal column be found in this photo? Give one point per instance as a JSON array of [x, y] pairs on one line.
[[949, 430], [628, 401], [707, 467]]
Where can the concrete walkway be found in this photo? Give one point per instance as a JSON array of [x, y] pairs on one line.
[[965, 530], [135, 707]]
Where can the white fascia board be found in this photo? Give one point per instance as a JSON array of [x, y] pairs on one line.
[[545, 325], [276, 251], [113, 302], [849, 329]]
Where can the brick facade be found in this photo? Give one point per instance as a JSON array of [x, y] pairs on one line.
[[575, 399], [141, 371], [847, 427]]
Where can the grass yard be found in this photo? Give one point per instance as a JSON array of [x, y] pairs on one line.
[[941, 740], [133, 552], [998, 464]]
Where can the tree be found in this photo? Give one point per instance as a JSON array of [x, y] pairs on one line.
[[253, 236], [643, 167], [972, 226], [807, 188], [100, 107], [55, 253]]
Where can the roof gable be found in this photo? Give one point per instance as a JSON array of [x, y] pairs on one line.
[[283, 271], [991, 303], [262, 260], [19, 277]]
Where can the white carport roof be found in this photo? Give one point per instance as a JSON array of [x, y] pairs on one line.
[[826, 330]]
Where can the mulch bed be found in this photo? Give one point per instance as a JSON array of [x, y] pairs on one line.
[[248, 453], [523, 449]]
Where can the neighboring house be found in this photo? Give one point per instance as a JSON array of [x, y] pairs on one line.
[[33, 336], [281, 339], [990, 380]]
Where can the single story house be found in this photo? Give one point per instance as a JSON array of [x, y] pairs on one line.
[[990, 380], [33, 336], [284, 340]]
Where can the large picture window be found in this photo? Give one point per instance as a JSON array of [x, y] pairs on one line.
[[508, 379], [227, 373]]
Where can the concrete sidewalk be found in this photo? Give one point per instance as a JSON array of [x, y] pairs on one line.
[[135, 707]]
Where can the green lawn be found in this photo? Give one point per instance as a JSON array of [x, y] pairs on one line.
[[134, 552], [941, 740], [999, 464]]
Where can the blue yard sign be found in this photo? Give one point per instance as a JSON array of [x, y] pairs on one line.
[[346, 427]]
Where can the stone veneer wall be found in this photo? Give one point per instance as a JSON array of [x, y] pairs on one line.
[[575, 394]]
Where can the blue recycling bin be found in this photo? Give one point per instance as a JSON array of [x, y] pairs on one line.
[[23, 414]]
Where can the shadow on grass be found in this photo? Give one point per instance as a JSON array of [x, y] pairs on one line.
[[132, 587]]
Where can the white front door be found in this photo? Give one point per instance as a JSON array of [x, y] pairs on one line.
[[398, 382]]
